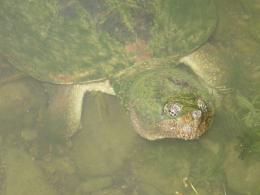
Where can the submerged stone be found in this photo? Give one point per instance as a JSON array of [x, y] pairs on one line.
[[242, 176], [20, 103], [29, 134], [106, 137], [94, 185], [23, 176]]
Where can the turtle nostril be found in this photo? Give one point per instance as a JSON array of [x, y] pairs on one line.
[[196, 114], [172, 109]]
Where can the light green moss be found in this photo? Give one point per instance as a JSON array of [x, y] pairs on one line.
[[67, 41]]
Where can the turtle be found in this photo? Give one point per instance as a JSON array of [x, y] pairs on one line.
[[8, 74], [149, 53]]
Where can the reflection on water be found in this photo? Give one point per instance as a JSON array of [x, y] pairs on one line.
[[107, 157]]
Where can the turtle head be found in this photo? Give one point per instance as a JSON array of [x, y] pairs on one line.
[[186, 116], [167, 103]]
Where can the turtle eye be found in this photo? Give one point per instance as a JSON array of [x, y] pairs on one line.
[[172, 109], [202, 105]]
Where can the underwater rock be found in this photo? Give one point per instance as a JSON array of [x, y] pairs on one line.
[[20, 102], [2, 174], [29, 134], [109, 192], [141, 189], [106, 137], [62, 166], [242, 175], [211, 145], [160, 168], [60, 173], [94, 185], [23, 177]]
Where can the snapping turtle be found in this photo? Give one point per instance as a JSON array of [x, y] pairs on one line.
[[134, 49]]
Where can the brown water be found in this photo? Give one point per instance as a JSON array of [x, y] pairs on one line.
[[107, 157]]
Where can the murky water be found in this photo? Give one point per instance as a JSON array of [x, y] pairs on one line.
[[107, 157]]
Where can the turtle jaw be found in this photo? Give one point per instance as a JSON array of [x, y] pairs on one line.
[[187, 127]]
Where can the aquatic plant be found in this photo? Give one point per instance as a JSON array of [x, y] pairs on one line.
[[250, 114]]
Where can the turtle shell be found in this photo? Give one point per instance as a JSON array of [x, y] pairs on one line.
[[70, 41]]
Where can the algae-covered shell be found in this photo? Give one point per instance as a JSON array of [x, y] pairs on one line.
[[70, 41]]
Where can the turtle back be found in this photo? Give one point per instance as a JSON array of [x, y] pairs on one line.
[[70, 41]]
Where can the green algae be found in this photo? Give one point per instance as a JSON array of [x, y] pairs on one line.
[[70, 42], [242, 176]]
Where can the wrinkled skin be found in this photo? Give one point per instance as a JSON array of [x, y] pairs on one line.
[[137, 45], [181, 109]]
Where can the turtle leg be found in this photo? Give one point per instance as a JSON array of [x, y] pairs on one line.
[[210, 63], [63, 115]]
